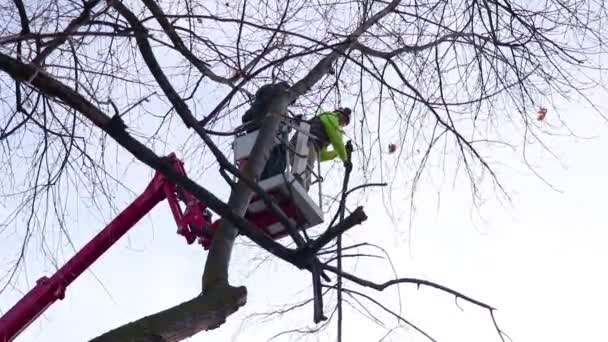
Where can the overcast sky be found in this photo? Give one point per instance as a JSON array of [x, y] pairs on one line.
[[539, 260]]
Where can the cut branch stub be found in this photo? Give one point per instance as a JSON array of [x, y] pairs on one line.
[[355, 218]]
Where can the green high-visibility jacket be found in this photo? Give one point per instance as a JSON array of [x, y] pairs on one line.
[[331, 127]]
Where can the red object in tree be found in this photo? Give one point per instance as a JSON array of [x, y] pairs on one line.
[[542, 112], [193, 223], [392, 148]]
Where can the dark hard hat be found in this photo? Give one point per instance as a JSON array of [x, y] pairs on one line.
[[345, 111]]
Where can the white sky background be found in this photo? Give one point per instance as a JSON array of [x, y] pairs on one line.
[[538, 260], [540, 263]]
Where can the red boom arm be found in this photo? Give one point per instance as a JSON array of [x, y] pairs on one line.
[[191, 224]]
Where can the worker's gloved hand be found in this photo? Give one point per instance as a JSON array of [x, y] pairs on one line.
[[349, 147]]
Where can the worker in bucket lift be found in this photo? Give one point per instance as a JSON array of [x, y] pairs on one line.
[[325, 130]]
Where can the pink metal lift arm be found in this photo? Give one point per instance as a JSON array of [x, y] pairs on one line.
[[49, 290], [194, 223]]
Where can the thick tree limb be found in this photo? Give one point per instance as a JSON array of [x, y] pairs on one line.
[[25, 21], [181, 321], [355, 218]]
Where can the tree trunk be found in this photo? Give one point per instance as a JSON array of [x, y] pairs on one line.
[[181, 321], [218, 260]]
